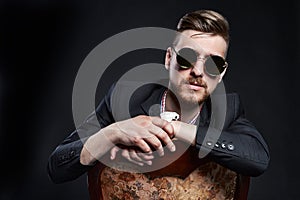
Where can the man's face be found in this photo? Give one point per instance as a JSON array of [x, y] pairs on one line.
[[193, 85]]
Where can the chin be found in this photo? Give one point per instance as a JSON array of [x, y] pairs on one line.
[[188, 96], [193, 98]]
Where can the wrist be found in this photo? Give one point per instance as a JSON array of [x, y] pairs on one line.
[[176, 128], [96, 146], [86, 158], [185, 132]]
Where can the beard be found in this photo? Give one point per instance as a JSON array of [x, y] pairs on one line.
[[188, 96]]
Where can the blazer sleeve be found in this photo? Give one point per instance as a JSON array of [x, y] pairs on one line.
[[64, 162], [240, 147]]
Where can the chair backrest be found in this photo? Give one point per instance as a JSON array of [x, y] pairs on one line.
[[243, 183], [104, 181]]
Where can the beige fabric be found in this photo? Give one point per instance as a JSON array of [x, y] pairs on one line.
[[209, 181]]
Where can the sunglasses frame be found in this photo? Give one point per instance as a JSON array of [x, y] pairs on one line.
[[191, 65]]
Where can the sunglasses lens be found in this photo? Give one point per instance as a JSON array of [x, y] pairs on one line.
[[214, 65], [186, 57]]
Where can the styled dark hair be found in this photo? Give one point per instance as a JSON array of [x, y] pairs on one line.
[[206, 21]]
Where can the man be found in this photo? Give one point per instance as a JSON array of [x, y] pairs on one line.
[[196, 64]]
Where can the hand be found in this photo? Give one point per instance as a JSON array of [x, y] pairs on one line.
[[132, 155], [143, 132]]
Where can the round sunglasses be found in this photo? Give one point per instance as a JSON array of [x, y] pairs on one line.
[[213, 65]]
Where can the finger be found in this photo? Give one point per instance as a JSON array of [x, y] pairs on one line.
[[137, 156], [163, 136], [113, 152], [156, 144], [164, 124], [146, 156], [134, 155], [126, 155], [142, 144]]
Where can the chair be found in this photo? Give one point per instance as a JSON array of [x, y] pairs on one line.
[[178, 169]]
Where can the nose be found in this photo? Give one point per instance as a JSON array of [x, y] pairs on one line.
[[198, 69]]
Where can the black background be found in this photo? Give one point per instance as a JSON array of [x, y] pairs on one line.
[[43, 44]]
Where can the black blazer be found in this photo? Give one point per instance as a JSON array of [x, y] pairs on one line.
[[239, 146]]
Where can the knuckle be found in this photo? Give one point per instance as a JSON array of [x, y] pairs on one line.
[[144, 133], [164, 137], [136, 139], [164, 122], [156, 145]]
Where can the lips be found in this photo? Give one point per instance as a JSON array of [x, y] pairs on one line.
[[196, 83], [195, 87]]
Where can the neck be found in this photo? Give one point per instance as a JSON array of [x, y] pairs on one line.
[[187, 111]]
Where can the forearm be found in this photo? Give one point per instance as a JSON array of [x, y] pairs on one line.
[[67, 162], [241, 150], [73, 157], [64, 163], [96, 146]]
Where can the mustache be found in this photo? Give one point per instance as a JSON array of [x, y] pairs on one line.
[[196, 81]]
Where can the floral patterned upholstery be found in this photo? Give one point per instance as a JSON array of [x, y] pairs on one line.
[[210, 181], [186, 178]]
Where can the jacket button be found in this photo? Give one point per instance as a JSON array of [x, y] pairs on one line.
[[223, 145], [63, 157], [72, 153], [217, 145], [230, 147], [209, 143]]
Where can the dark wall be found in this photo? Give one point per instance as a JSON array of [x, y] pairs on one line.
[[43, 44]]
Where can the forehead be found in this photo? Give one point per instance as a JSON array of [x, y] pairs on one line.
[[209, 43]]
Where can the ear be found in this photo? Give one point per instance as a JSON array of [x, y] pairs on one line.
[[222, 74], [168, 58]]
